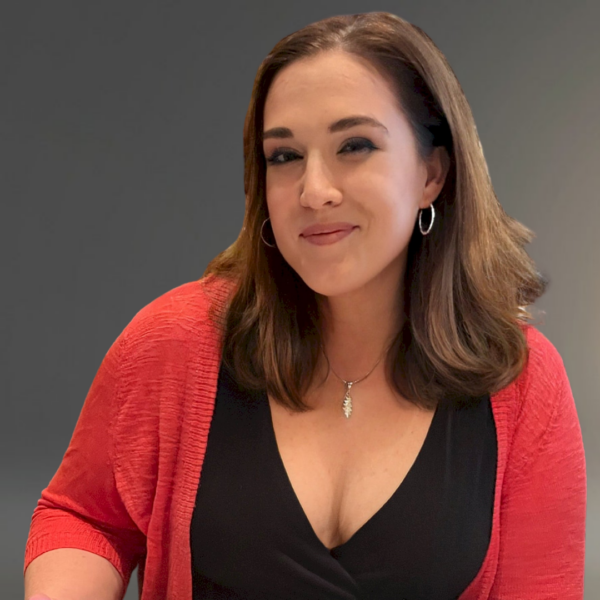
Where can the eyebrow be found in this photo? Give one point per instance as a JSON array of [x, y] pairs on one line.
[[340, 125]]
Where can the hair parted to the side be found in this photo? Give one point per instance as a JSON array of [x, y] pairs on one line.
[[468, 283]]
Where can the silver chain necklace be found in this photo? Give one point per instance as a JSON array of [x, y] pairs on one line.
[[347, 401]]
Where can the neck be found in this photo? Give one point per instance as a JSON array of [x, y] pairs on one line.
[[358, 331]]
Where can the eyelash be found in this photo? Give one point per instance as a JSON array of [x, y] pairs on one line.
[[357, 142]]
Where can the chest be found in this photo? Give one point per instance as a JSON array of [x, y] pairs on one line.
[[344, 470]]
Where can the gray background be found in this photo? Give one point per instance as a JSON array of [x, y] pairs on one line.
[[121, 174]]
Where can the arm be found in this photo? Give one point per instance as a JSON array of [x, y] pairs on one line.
[[82, 531], [543, 502], [71, 574]]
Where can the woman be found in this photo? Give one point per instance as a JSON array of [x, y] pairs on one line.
[[349, 403]]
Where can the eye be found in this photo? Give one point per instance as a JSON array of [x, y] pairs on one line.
[[357, 145], [273, 159]]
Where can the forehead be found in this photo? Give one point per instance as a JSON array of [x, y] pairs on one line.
[[327, 85]]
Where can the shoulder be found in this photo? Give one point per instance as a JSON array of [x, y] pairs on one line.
[[544, 376], [165, 337], [542, 350], [541, 393], [179, 316]]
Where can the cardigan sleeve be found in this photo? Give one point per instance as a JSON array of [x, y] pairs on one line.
[[83, 507], [543, 500]]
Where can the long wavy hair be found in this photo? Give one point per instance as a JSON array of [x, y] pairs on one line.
[[467, 284]]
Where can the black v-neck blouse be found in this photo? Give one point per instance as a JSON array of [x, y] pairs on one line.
[[250, 538]]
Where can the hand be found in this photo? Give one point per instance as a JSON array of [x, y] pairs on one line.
[[40, 597]]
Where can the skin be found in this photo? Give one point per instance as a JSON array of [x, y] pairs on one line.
[[324, 180], [344, 470]]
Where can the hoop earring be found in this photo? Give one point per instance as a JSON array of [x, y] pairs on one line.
[[432, 219], [261, 234]]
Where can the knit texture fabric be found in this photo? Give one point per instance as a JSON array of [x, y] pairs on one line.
[[126, 487]]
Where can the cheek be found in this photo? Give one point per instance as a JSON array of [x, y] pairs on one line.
[[392, 205], [282, 217], [278, 196], [395, 225]]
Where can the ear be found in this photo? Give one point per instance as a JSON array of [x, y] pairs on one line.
[[437, 165]]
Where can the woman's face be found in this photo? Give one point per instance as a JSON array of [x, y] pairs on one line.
[[368, 176]]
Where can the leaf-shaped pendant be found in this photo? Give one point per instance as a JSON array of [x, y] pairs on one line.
[[347, 403]]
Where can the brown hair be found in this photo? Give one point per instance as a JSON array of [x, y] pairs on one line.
[[467, 284]]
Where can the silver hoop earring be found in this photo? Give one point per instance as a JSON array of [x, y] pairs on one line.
[[430, 224], [261, 234]]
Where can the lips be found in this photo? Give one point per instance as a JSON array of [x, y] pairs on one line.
[[321, 228]]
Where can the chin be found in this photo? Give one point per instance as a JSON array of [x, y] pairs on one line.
[[330, 286], [329, 277]]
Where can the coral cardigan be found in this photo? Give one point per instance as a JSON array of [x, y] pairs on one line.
[[126, 487]]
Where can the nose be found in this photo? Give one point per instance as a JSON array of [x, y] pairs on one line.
[[317, 186]]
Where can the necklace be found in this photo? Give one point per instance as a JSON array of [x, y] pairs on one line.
[[347, 401]]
